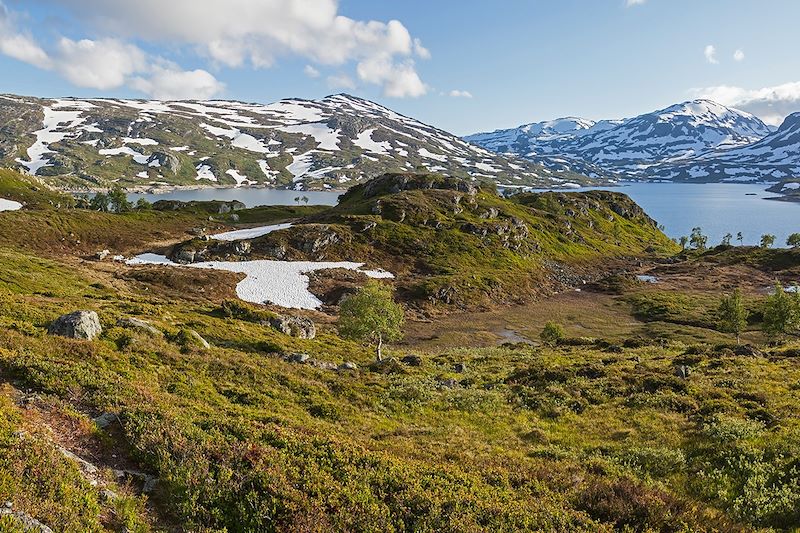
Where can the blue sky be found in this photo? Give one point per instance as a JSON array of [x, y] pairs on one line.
[[462, 65]]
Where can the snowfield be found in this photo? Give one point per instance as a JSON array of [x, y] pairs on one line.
[[250, 233], [9, 205], [283, 283]]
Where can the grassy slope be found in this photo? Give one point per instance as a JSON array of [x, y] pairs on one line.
[[557, 439]]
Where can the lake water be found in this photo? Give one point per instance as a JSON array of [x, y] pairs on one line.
[[718, 208]]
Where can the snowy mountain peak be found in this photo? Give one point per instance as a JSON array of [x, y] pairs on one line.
[[633, 147]]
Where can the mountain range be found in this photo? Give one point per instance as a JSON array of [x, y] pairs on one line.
[[333, 142], [699, 141]]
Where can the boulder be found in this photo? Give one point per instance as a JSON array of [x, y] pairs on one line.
[[77, 325], [189, 338], [412, 360], [299, 358], [748, 350], [348, 366], [139, 324], [682, 371], [105, 420], [184, 256], [460, 368], [295, 326]]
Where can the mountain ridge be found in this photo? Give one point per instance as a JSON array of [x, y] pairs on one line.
[[333, 142], [694, 140]]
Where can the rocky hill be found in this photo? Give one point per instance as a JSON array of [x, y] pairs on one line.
[[334, 142], [693, 141], [450, 241]]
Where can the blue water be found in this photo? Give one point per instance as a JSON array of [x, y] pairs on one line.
[[718, 208]]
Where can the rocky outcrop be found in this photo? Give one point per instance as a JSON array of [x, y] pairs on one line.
[[397, 182], [77, 325], [295, 326], [25, 521]]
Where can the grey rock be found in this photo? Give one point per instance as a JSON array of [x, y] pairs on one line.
[[101, 256], [139, 324], [460, 368], [77, 325], [242, 247], [184, 256], [197, 340], [299, 358], [234, 218], [682, 371], [24, 520], [105, 420], [348, 366], [295, 326]]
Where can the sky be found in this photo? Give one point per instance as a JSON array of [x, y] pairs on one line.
[[461, 65]]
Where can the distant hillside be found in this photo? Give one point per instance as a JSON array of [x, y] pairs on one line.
[[694, 141], [298, 144]]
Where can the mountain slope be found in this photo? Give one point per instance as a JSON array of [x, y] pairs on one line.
[[647, 146], [300, 144]]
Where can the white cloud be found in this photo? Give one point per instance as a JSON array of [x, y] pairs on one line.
[[174, 84], [629, 3], [399, 80], [738, 56], [457, 93], [770, 104], [341, 81], [238, 33], [105, 64], [711, 54], [311, 72], [20, 46]]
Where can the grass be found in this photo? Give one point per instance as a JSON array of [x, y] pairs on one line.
[[587, 435]]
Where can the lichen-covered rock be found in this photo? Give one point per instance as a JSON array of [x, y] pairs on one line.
[[77, 325], [138, 324], [295, 326]]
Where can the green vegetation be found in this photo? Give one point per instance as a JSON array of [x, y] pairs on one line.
[[782, 312], [767, 240], [552, 333], [793, 240], [657, 422], [371, 315], [733, 314]]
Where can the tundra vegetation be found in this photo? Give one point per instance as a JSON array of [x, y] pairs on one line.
[[194, 411]]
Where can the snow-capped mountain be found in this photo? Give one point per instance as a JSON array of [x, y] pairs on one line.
[[663, 144], [539, 137], [302, 144], [771, 158]]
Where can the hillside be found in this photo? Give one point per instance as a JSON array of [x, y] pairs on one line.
[[693, 141], [192, 410], [449, 241], [334, 142]]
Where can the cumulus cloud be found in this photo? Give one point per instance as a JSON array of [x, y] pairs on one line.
[[457, 93], [770, 104], [18, 45], [711, 54], [311, 72], [738, 56], [257, 33], [104, 64], [166, 83], [341, 81]]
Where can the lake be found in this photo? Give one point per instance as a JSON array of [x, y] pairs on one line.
[[718, 208]]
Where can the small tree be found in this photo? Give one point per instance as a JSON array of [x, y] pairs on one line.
[[781, 312], [304, 199], [726, 240], [118, 200], [740, 238], [143, 205], [371, 315], [732, 315], [767, 240], [99, 202], [697, 239], [552, 333], [793, 240], [683, 241]]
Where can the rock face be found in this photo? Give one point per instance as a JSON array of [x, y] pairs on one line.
[[295, 326], [77, 325]]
